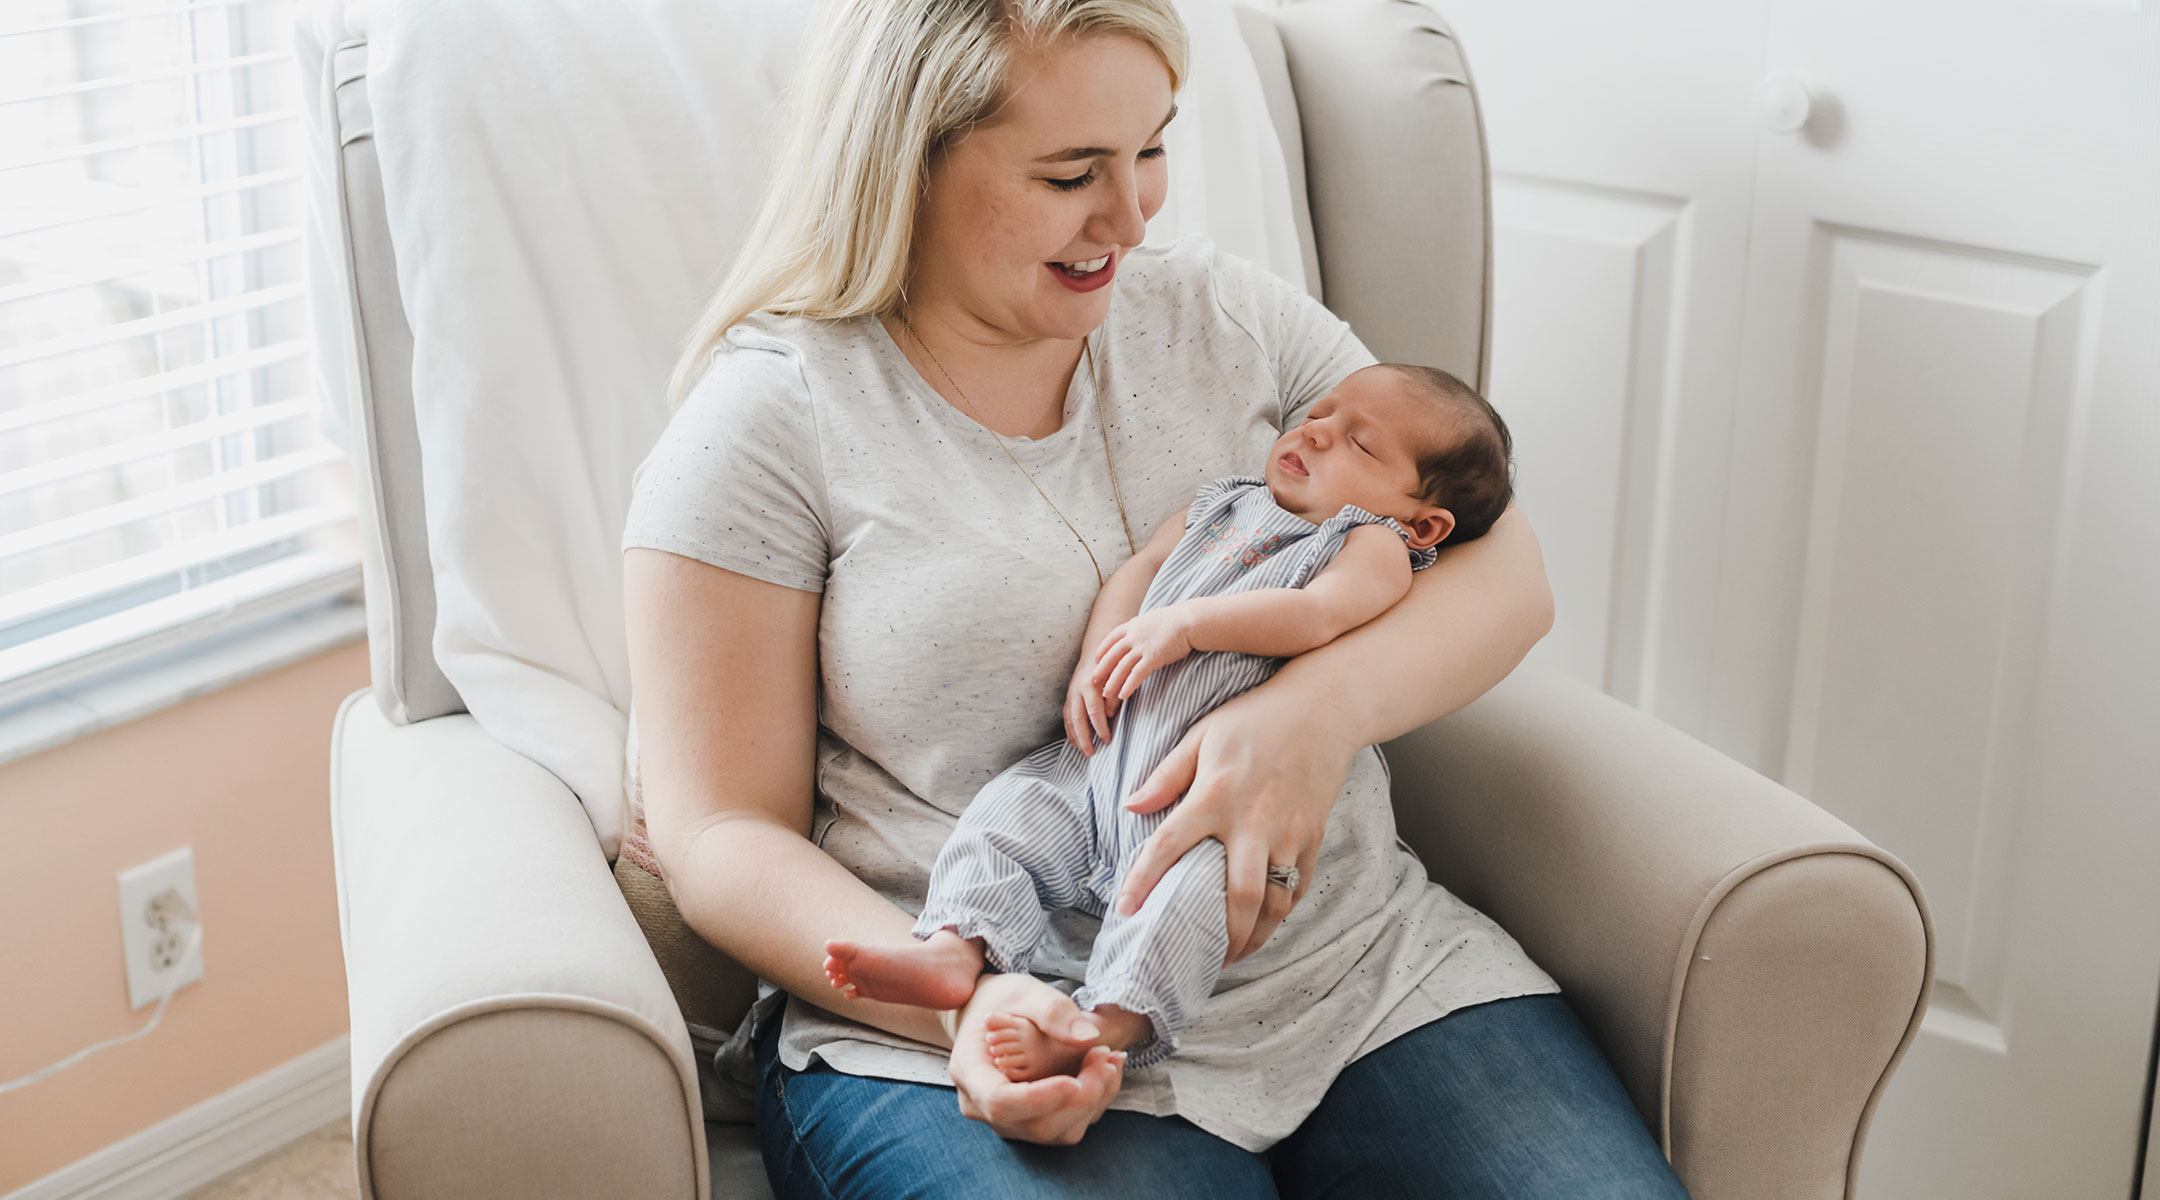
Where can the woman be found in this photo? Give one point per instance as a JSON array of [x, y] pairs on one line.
[[939, 399]]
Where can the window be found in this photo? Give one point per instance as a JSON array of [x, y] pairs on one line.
[[163, 474]]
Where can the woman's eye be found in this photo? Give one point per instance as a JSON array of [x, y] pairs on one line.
[[1154, 152], [1072, 185]]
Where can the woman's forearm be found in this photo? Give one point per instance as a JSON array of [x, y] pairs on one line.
[[1467, 621], [769, 899]]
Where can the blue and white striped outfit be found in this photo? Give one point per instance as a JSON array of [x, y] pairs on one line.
[[1052, 831]]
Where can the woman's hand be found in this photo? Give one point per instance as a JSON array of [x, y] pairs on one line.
[[1259, 774], [1053, 1111], [1139, 648]]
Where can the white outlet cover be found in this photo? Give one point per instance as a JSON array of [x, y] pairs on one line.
[[137, 885]]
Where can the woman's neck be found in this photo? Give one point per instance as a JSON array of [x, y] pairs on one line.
[[1015, 386]]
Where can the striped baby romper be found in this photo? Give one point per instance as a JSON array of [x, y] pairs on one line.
[[1051, 831]]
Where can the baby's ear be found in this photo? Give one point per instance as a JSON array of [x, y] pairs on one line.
[[1430, 527]]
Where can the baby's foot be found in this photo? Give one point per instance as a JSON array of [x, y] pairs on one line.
[[1024, 1052], [1020, 1048], [937, 973]]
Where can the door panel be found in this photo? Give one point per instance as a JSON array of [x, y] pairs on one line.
[[1584, 371], [1622, 150], [1937, 618], [1841, 444]]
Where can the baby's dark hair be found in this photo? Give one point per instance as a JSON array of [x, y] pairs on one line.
[[1471, 473]]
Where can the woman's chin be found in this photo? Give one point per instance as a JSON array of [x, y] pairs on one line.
[[1070, 317]]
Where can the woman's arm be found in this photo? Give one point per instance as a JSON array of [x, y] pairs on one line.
[[725, 670], [1468, 621], [1262, 771]]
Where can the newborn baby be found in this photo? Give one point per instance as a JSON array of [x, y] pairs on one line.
[[1393, 461]]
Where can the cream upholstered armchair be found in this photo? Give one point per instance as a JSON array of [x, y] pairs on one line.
[[1754, 968]]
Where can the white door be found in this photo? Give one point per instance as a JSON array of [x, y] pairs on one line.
[[1941, 618], [1623, 159], [1926, 369]]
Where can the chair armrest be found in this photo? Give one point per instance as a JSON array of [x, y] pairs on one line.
[[1752, 966], [512, 1035]]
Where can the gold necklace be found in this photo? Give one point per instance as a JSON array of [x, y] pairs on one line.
[[1101, 423]]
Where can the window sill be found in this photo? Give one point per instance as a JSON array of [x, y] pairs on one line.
[[180, 674]]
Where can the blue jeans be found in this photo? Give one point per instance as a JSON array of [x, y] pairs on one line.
[[1509, 1098]]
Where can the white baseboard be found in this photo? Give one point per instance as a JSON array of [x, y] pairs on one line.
[[218, 1136]]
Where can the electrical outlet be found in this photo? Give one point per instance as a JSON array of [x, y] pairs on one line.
[[157, 913]]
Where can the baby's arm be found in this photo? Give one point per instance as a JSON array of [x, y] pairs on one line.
[[1364, 579], [1367, 576], [1087, 709], [1120, 597]]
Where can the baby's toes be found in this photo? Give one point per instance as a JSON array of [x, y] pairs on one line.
[[1018, 1067]]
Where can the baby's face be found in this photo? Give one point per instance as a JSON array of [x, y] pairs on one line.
[[1358, 445]]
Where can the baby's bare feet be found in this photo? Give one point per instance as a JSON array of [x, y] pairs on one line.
[[937, 973], [1024, 1052], [1020, 1048]]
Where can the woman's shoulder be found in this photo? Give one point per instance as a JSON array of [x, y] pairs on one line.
[[1192, 271], [769, 358]]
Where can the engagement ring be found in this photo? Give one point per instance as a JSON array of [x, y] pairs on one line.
[[1283, 877]]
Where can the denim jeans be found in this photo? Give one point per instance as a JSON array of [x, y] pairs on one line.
[[1508, 1098]]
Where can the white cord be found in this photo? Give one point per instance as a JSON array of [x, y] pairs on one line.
[[194, 941]]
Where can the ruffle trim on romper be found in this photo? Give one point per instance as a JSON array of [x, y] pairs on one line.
[[1351, 514], [1157, 1046], [1005, 953]]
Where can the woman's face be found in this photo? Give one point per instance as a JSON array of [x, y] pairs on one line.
[[1068, 172]]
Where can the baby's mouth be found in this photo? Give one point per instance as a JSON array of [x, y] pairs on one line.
[[1294, 464]]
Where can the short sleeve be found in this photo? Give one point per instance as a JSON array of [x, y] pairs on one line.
[[1217, 493], [1352, 515], [1310, 348], [736, 479]]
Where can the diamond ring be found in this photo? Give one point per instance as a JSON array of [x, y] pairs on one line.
[[1283, 877]]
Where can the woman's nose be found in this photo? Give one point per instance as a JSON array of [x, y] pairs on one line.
[[1120, 219]]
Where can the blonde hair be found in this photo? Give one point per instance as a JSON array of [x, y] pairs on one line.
[[882, 87]]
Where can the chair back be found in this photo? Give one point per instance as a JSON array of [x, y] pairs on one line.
[[1379, 124]]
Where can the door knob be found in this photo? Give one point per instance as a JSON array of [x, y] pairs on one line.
[[1784, 102]]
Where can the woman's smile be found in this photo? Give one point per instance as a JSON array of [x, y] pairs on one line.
[[1088, 281]]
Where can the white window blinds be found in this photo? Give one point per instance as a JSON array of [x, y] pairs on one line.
[[163, 476]]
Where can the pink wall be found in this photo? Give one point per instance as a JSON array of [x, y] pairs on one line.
[[243, 776]]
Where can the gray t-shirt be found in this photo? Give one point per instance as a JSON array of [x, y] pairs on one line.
[[813, 455]]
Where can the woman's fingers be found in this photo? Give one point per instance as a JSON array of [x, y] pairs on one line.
[[1246, 869], [1054, 1110], [1170, 778], [1165, 846], [1308, 865], [1275, 905]]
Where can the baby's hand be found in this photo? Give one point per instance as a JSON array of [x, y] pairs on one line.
[[1138, 648], [1087, 712]]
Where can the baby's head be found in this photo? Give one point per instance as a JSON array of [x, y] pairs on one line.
[[1409, 442]]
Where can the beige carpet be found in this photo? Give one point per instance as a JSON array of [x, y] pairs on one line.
[[317, 1167]]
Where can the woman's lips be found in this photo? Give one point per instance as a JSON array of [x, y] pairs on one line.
[[1293, 464], [1090, 283]]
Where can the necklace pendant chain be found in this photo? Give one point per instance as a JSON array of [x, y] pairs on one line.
[[1101, 424]]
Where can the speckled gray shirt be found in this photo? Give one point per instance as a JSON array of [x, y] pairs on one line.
[[813, 455]]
